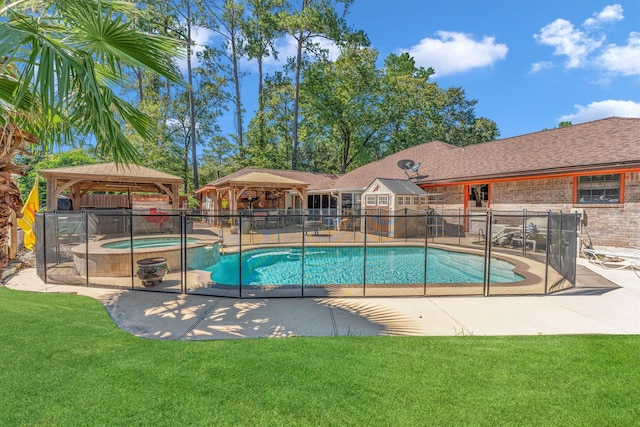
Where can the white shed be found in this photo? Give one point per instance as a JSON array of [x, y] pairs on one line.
[[393, 195], [395, 208]]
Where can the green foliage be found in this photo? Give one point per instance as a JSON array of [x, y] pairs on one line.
[[63, 58], [269, 134], [86, 371], [48, 161], [354, 113], [315, 114]]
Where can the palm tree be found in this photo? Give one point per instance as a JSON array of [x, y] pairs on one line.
[[60, 62]]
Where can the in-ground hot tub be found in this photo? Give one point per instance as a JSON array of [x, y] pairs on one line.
[[112, 257]]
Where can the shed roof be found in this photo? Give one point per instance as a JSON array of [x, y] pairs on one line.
[[400, 186]]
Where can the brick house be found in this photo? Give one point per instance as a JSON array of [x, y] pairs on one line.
[[592, 168]]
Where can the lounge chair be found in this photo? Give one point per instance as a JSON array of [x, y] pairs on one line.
[[612, 259]]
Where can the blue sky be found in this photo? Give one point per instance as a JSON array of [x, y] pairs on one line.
[[529, 63]]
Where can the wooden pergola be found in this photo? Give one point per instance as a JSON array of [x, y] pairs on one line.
[[232, 189], [109, 178]]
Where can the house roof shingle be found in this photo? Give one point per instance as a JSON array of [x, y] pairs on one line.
[[600, 144]]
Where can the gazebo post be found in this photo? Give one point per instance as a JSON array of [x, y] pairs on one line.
[[52, 184]]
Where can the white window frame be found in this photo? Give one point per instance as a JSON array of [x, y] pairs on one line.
[[383, 200], [370, 200], [600, 185]]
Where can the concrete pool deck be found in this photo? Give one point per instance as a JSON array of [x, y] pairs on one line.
[[604, 301]]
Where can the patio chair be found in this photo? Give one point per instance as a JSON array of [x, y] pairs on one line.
[[612, 259], [312, 225], [157, 217], [271, 220], [259, 220]]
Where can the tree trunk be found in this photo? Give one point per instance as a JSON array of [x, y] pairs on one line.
[[296, 102]]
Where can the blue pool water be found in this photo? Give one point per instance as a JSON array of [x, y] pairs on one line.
[[147, 242], [344, 265]]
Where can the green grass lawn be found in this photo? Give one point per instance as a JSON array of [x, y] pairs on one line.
[[64, 362]]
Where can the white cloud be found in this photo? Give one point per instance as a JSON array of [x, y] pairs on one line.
[[610, 13], [602, 109], [585, 47], [456, 52], [539, 66], [201, 37], [623, 60], [568, 41]]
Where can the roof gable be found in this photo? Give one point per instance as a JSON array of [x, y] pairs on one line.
[[315, 180], [398, 186], [111, 172], [266, 178]]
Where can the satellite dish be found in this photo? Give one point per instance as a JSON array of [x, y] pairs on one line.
[[406, 164], [415, 167]]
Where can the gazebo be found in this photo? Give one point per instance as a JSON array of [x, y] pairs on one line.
[[263, 188], [110, 178]]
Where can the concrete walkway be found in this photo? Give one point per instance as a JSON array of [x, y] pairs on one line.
[[604, 301]]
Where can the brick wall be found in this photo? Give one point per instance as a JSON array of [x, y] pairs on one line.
[[606, 225], [451, 197]]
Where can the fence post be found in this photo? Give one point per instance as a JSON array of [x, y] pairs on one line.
[[44, 243], [487, 253], [364, 257], [304, 218], [524, 233], [183, 251], [86, 243], [459, 227], [238, 217], [426, 245], [131, 246], [560, 247], [546, 261]]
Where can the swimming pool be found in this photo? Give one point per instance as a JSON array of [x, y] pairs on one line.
[[345, 265], [147, 242]]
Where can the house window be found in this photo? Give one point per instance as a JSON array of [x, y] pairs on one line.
[[347, 201], [416, 200], [370, 200], [383, 200], [600, 189], [400, 201], [407, 200]]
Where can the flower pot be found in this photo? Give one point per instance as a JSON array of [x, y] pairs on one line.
[[151, 270]]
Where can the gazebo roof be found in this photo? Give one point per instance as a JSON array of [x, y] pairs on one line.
[[108, 177], [106, 174], [266, 179]]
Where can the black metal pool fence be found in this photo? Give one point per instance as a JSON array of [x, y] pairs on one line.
[[255, 254]]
